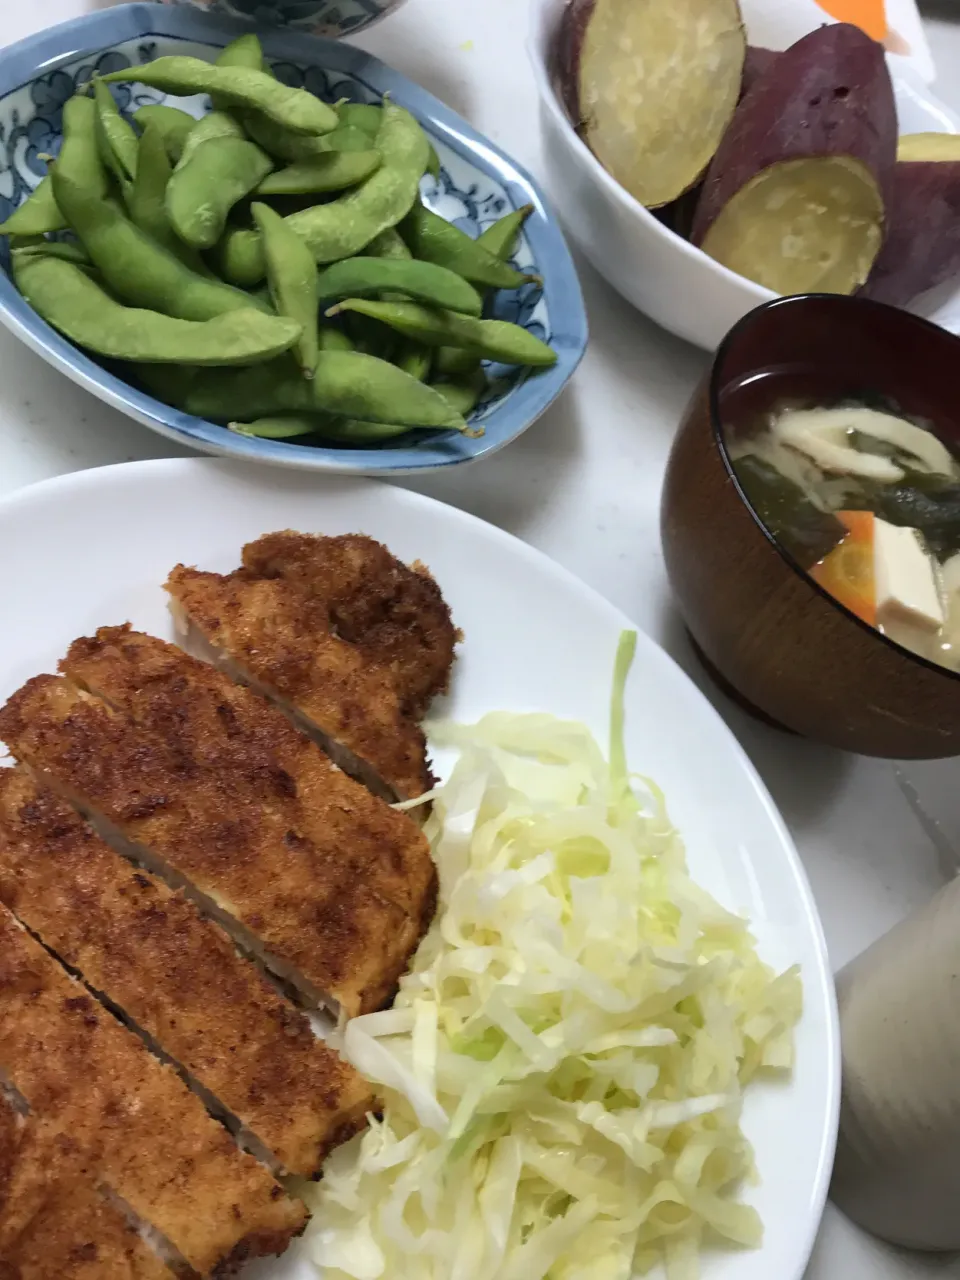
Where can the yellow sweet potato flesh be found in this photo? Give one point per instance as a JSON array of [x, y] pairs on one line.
[[659, 82], [802, 226], [929, 146]]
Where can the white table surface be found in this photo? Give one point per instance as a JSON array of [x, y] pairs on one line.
[[583, 485]]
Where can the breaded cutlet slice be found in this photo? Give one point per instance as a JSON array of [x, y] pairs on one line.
[[145, 1134], [54, 1222], [253, 748], [395, 613], [306, 912], [349, 641], [176, 977]]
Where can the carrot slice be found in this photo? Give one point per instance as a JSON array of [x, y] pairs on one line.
[[848, 571]]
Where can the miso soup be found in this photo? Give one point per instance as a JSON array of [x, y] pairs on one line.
[[864, 496]]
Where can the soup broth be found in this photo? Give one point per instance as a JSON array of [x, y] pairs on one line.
[[863, 495]]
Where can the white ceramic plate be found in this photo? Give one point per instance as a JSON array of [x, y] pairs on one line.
[[92, 549]]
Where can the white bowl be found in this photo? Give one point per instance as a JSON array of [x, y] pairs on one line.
[[663, 275]]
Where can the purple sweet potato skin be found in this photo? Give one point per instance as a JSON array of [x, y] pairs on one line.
[[758, 62], [567, 53], [829, 94], [922, 244]]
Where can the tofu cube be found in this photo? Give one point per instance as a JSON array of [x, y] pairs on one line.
[[906, 579]]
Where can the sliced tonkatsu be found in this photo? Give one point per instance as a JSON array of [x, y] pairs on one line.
[[176, 977], [347, 639], [305, 909], [54, 1220], [143, 1132], [255, 751]]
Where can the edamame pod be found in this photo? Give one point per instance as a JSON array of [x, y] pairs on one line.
[[332, 171], [147, 205], [214, 125], [115, 136], [137, 269], [434, 166], [280, 426], [501, 239], [334, 339], [489, 339], [292, 274], [294, 109], [37, 215], [416, 360], [343, 227], [361, 115], [345, 383], [353, 431], [455, 362], [208, 183], [434, 239], [281, 143], [388, 244], [68, 300], [245, 51], [464, 394], [366, 277], [67, 250], [175, 126]]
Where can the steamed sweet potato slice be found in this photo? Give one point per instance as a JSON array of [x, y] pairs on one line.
[[922, 245], [795, 197], [929, 146], [652, 85]]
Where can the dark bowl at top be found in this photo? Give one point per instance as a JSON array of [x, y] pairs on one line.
[[780, 642]]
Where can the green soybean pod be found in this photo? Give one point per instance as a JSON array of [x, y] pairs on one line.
[[334, 339], [361, 115], [388, 244], [208, 183], [415, 359], [147, 204], [214, 125], [454, 362], [292, 275], [115, 135], [332, 171], [343, 227], [79, 156], [364, 277], [489, 339], [352, 431], [279, 142], [433, 166], [38, 214], [245, 51], [280, 426], [67, 299], [463, 394], [67, 250], [347, 384], [174, 125], [501, 239], [434, 239], [294, 109], [137, 269]]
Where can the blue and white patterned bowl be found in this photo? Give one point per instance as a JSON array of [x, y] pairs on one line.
[[322, 17], [477, 185]]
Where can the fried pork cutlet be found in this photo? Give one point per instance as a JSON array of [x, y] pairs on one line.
[[347, 639], [53, 1219], [253, 748], [177, 977], [306, 911], [144, 1133]]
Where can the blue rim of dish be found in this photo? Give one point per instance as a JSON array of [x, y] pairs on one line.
[[21, 63]]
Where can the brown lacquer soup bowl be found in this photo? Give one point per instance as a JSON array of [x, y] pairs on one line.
[[764, 628]]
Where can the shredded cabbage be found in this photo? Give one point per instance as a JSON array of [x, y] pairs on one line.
[[563, 1071]]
